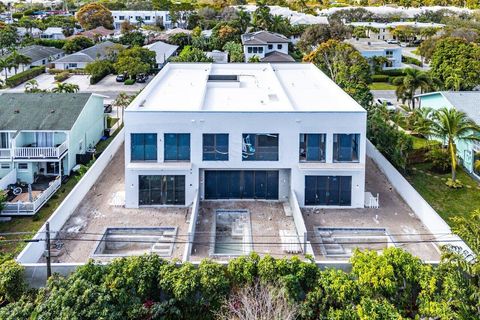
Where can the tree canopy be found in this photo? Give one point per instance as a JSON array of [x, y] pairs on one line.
[[94, 15]]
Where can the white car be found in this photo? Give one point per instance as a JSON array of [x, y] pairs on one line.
[[390, 106], [392, 41]]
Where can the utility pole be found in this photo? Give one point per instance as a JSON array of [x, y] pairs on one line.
[[47, 250]]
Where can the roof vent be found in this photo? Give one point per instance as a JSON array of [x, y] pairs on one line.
[[16, 111], [52, 111]]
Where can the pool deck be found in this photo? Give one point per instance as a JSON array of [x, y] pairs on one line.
[[267, 219], [394, 215]]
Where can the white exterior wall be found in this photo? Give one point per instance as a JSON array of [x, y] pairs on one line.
[[65, 66], [284, 49], [287, 124], [148, 17], [395, 58]]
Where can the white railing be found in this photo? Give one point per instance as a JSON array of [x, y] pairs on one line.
[[5, 153], [30, 208], [40, 152]]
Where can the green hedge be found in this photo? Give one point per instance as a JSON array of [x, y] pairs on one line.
[[62, 76], [379, 78], [411, 60], [392, 72], [57, 43], [26, 75], [72, 71], [129, 82]]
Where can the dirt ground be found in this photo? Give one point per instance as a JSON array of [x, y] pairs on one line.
[[267, 219], [100, 209], [394, 215]]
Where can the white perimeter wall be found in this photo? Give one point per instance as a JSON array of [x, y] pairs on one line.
[[34, 250], [288, 125]]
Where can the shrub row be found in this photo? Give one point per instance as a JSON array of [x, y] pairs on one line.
[[72, 71], [26, 75], [95, 78], [62, 76], [412, 60], [379, 78], [57, 43], [392, 72]]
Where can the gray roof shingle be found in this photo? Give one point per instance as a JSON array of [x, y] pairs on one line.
[[276, 56], [465, 101], [87, 55], [37, 53], [263, 38], [41, 111]]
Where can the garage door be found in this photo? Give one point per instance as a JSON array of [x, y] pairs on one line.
[[328, 190], [245, 184]]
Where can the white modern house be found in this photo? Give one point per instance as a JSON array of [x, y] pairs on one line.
[[267, 46], [142, 17], [41, 136], [383, 31], [370, 49], [295, 17], [244, 131]]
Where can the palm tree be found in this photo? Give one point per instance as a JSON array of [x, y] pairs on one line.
[[408, 84], [122, 101], [279, 24], [243, 19], [31, 86], [453, 126], [6, 66], [65, 88], [20, 59]]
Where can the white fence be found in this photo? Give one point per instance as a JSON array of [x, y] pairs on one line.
[[10, 178], [191, 227], [429, 217], [30, 208], [33, 251], [300, 224]]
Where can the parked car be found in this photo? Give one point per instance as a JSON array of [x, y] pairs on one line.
[[388, 104], [392, 41], [107, 108], [121, 77], [142, 78]]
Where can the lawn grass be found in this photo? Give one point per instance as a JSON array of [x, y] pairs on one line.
[[446, 201], [30, 225], [381, 86]]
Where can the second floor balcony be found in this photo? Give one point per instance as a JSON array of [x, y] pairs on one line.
[[33, 145], [34, 152]]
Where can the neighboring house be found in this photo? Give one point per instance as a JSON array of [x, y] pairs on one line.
[[81, 58], [98, 34], [244, 131], [39, 55], [218, 56], [295, 17], [163, 51], [41, 135], [467, 102], [55, 33], [34, 32], [266, 45], [370, 49], [142, 17], [383, 31]]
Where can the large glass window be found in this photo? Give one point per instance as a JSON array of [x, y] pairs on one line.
[[4, 144], [143, 147], [312, 147], [215, 147], [177, 146], [260, 147], [328, 190], [161, 190], [346, 147]]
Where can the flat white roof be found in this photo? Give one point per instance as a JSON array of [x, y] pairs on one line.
[[251, 87]]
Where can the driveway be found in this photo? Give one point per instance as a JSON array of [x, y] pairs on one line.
[[107, 86]]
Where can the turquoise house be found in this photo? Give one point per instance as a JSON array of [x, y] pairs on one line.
[[467, 102], [41, 135]]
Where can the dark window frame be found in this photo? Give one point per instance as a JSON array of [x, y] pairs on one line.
[[304, 148], [259, 151], [165, 193], [218, 151], [145, 157], [354, 148], [178, 157]]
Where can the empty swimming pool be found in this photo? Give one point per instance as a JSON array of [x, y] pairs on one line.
[[136, 241], [341, 242], [231, 233]]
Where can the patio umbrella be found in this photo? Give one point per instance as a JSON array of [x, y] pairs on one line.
[[30, 196]]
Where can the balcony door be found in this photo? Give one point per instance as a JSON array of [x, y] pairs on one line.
[[4, 143], [44, 139]]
